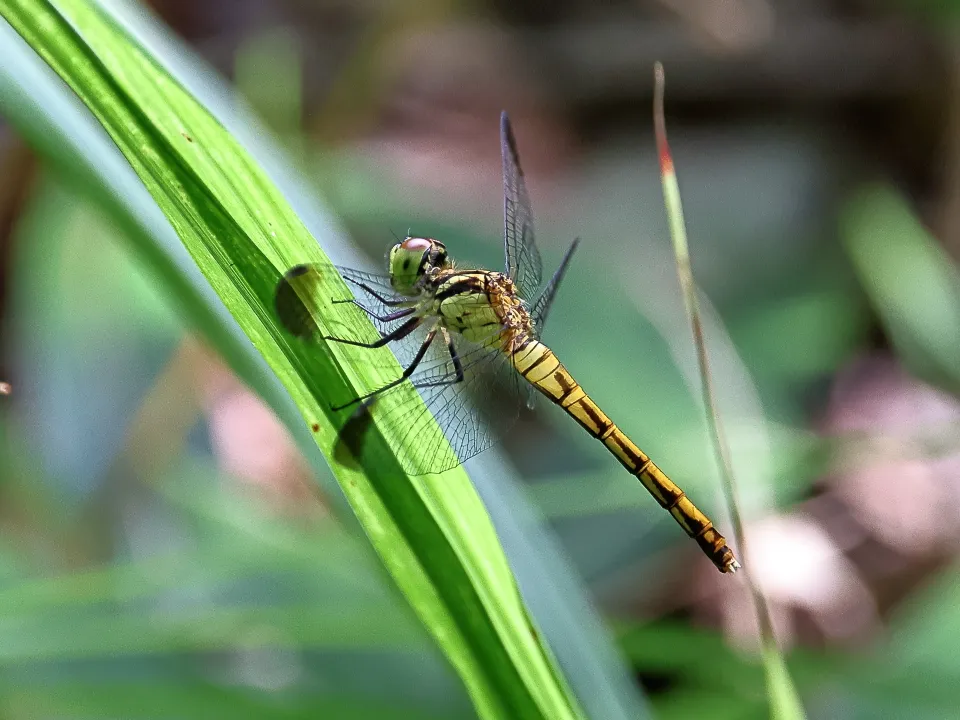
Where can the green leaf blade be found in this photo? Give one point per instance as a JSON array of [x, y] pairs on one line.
[[433, 535]]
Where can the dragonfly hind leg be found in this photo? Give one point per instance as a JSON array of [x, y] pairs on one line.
[[457, 366], [410, 369]]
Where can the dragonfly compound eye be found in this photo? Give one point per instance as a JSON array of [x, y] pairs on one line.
[[416, 244], [408, 261]]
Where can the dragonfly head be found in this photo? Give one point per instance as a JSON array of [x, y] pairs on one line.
[[413, 258]]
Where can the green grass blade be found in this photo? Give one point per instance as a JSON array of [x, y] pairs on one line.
[[782, 695], [433, 534], [46, 112]]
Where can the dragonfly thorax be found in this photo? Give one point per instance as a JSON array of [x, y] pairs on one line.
[[511, 311], [413, 260]]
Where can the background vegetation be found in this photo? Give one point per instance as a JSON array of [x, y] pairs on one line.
[[167, 548]]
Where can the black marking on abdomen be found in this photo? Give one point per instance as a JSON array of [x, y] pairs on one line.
[[560, 377], [536, 362], [522, 346], [566, 393], [591, 412]]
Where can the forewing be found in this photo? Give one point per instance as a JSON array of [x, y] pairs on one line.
[[297, 297], [542, 306], [523, 259], [470, 414], [374, 291], [466, 412]]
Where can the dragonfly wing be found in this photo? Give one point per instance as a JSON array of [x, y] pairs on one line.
[[300, 291], [299, 295], [467, 415], [542, 306], [523, 259], [374, 291], [469, 396], [491, 388]]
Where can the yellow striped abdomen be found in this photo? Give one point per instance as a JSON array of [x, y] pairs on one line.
[[541, 368]]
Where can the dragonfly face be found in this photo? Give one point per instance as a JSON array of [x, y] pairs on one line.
[[414, 259]]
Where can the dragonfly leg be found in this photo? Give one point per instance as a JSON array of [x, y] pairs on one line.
[[389, 317], [378, 296], [401, 332], [457, 366], [406, 373]]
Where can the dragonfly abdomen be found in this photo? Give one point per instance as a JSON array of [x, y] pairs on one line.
[[541, 368]]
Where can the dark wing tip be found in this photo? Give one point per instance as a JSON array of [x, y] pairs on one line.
[[509, 143], [289, 304]]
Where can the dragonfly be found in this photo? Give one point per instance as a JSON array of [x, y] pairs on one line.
[[468, 342]]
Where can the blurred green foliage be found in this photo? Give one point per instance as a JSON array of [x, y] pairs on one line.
[[912, 282], [173, 594]]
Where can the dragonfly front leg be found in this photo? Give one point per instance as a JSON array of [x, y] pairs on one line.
[[389, 317], [406, 373], [378, 296]]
